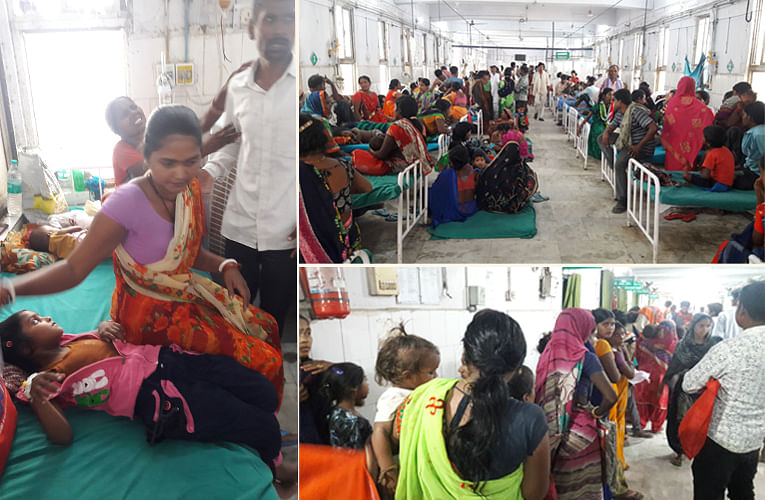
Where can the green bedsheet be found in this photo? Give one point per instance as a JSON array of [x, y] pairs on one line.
[[110, 458], [490, 225], [734, 200], [384, 188]]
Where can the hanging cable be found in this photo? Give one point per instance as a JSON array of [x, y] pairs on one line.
[[748, 15]]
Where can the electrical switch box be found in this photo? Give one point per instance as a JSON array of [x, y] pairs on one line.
[[382, 280], [185, 74]]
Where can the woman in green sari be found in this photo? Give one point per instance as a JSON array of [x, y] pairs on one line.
[[469, 438], [599, 114]]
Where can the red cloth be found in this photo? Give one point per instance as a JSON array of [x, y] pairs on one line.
[[369, 106], [695, 424], [721, 164], [653, 356], [684, 122], [125, 156]]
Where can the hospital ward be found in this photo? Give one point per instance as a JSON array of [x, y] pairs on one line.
[[582, 131], [532, 382], [148, 318]]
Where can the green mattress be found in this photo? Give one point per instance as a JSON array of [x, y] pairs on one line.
[[110, 458], [384, 188], [490, 225], [734, 200]]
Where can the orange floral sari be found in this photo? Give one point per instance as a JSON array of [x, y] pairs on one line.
[[164, 303]]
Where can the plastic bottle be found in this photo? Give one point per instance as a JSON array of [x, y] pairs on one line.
[[14, 189]]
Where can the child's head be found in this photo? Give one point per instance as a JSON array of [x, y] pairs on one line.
[[313, 138], [459, 156], [703, 96], [650, 331], [521, 385], [727, 95], [345, 382], [376, 141], [126, 118], [543, 341], [462, 132], [714, 136], [479, 160], [39, 238], [305, 339], [406, 360], [23, 334]]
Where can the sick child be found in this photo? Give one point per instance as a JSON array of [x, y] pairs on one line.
[[175, 393], [59, 242], [718, 170], [406, 361]]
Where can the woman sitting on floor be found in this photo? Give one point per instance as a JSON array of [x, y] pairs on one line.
[[452, 196], [366, 103], [154, 227], [508, 184], [404, 144], [684, 121], [599, 115]]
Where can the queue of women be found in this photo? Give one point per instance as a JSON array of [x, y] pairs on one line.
[[389, 133], [498, 433]]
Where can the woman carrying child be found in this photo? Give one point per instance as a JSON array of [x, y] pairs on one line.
[[471, 434], [154, 227], [405, 361]]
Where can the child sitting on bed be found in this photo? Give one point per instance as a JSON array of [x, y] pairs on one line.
[[59, 242], [406, 361], [175, 393], [719, 166]]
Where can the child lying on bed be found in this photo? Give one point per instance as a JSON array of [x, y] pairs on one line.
[[175, 393], [59, 242]]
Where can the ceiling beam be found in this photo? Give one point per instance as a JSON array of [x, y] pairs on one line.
[[560, 7]]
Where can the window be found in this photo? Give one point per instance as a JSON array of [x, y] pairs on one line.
[[425, 49], [662, 56], [70, 94], [436, 52], [382, 86], [637, 60], [702, 39], [757, 61], [344, 34], [406, 56], [382, 41], [620, 62], [346, 81]]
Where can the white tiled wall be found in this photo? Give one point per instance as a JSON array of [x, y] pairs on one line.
[[356, 338]]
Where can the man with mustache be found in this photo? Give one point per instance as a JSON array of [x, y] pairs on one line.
[[259, 221]]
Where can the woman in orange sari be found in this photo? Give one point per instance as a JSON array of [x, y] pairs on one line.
[[684, 122], [366, 103], [153, 226], [394, 92]]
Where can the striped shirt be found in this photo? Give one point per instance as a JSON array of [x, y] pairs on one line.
[[638, 129], [738, 419]]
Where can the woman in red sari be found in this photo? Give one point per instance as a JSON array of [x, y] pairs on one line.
[[654, 352], [366, 103], [684, 122]]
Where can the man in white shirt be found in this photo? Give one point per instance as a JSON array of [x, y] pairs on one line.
[[728, 460], [725, 324], [540, 86], [495, 78], [260, 221]]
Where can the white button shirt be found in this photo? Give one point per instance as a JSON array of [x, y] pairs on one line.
[[260, 212]]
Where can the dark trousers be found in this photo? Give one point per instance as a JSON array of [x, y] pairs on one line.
[[203, 397], [698, 180], [716, 469], [273, 273], [745, 180]]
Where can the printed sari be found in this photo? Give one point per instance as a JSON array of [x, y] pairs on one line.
[[165, 303], [317, 104], [573, 433], [411, 147], [369, 106], [389, 106], [597, 127], [684, 123], [653, 356], [426, 471]]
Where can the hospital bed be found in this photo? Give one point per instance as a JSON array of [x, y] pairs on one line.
[[109, 457]]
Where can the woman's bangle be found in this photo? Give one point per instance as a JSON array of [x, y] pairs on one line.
[[27, 385], [228, 262], [595, 415]]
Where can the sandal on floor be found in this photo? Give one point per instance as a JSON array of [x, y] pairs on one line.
[[630, 495], [689, 217], [381, 212], [674, 216]]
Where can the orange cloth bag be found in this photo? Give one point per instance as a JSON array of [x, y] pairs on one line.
[[695, 424], [327, 472]]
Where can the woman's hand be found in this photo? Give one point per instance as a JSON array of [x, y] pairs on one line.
[[235, 281], [315, 366], [5, 296], [44, 385], [304, 395], [111, 331]]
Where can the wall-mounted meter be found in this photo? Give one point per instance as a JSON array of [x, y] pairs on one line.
[[382, 280], [476, 296]]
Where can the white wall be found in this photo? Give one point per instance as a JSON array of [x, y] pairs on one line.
[[730, 41], [356, 337]]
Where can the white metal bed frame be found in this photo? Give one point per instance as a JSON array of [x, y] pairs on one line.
[[479, 120], [641, 209], [443, 145], [607, 172], [572, 122], [581, 142], [412, 204]]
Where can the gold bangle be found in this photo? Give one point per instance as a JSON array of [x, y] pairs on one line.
[[593, 413]]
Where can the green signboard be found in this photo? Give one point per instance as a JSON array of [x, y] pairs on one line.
[[562, 55], [622, 282]]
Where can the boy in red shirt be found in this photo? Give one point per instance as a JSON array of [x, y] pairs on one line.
[[718, 169]]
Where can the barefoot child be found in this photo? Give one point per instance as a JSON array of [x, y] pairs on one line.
[[406, 361]]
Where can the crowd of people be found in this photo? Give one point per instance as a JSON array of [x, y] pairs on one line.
[[503, 432], [394, 130]]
